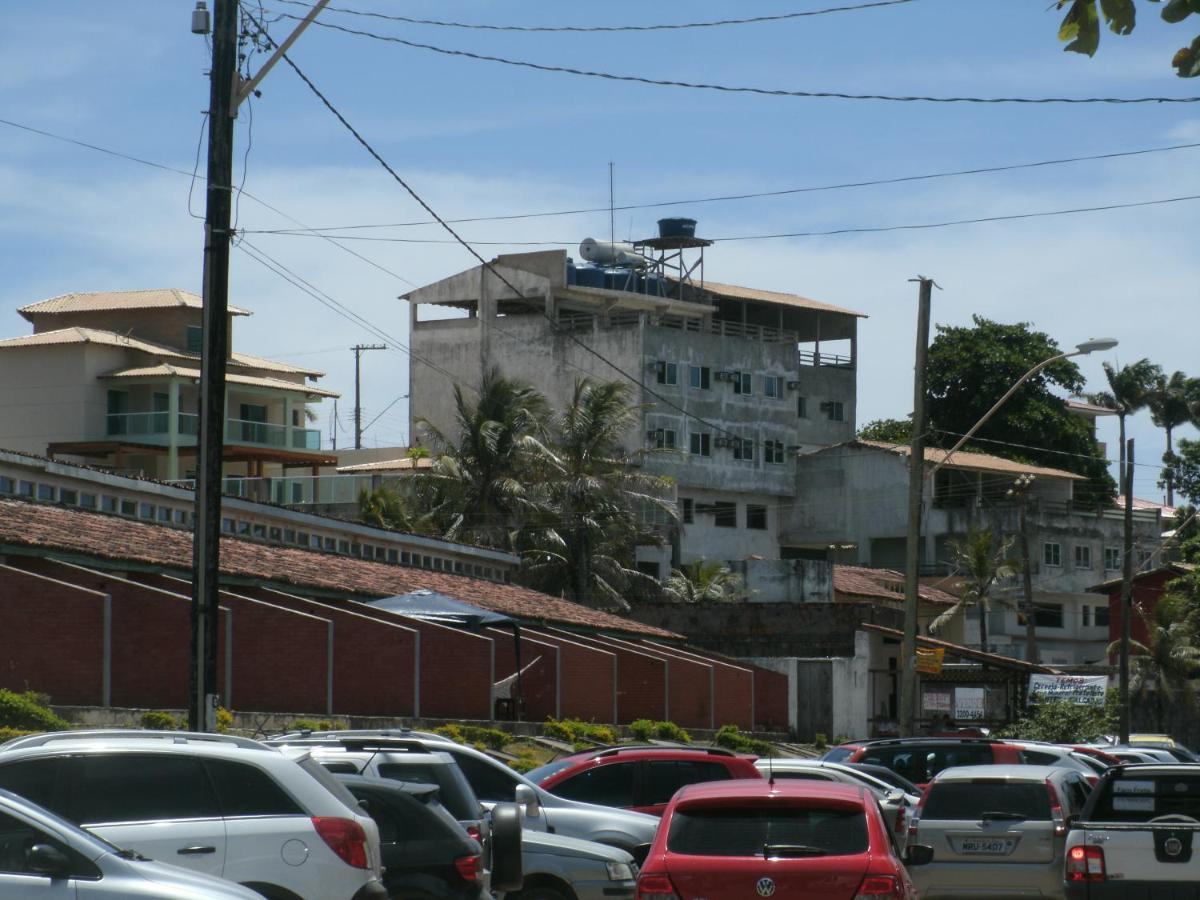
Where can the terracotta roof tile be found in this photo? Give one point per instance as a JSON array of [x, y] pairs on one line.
[[56, 528], [103, 301], [882, 584], [165, 370], [982, 462], [746, 293]]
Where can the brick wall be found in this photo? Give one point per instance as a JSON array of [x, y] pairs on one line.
[[588, 678], [689, 684], [770, 700], [641, 678], [733, 688], [539, 682]]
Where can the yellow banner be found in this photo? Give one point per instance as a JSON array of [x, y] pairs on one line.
[[929, 660]]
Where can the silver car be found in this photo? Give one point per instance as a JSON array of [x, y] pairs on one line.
[[561, 868], [996, 831], [43, 856]]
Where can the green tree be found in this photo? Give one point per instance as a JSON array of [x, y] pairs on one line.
[[890, 431], [1081, 27], [594, 503], [970, 367], [1170, 403], [704, 582], [1164, 665], [1187, 470], [982, 558], [387, 507], [1064, 722], [1129, 390]]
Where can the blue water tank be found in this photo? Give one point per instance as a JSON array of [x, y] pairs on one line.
[[620, 280], [653, 285], [669, 228], [589, 276], [571, 270]]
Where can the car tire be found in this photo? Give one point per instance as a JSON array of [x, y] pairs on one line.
[[507, 870]]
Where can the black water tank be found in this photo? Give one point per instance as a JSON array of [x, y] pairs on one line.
[[670, 228]]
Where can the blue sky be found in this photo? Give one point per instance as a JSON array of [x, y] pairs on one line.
[[479, 139]]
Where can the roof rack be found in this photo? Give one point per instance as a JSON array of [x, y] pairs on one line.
[[105, 734], [614, 750], [883, 742], [305, 733], [358, 743]]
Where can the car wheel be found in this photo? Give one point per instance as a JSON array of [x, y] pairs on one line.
[[507, 870]]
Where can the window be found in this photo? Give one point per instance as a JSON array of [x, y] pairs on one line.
[[649, 567], [667, 372], [663, 777], [611, 785], [246, 790], [164, 514], [139, 788], [259, 530], [182, 516], [1112, 559], [1101, 617], [701, 443], [1048, 615], [242, 527], [16, 836], [275, 533], [129, 507], [331, 544], [773, 387], [145, 511], [343, 546], [393, 556], [33, 779], [665, 438], [66, 495], [801, 407], [1052, 554], [488, 781], [756, 517], [108, 503], [744, 831], [700, 377], [6, 485], [195, 339], [86, 500], [227, 526], [45, 492], [773, 452], [724, 514], [835, 410], [743, 449], [1087, 616], [960, 800], [743, 383], [688, 510], [1083, 556]]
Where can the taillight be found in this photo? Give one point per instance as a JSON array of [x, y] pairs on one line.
[[474, 833], [915, 818], [901, 815], [877, 886], [651, 886], [1085, 864], [345, 837], [1056, 813], [469, 867]]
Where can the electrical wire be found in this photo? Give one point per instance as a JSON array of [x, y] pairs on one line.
[[670, 26], [739, 89]]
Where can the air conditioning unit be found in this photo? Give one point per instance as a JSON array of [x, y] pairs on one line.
[[722, 442], [793, 385], [724, 376]]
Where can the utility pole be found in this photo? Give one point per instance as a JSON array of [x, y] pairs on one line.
[[1126, 591], [1021, 489], [916, 487], [359, 349]]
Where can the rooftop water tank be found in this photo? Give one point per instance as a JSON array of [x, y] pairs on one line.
[[669, 228]]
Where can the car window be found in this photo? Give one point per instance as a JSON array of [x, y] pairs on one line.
[[129, 787], [489, 783], [837, 754], [921, 763], [744, 832], [887, 776], [541, 773], [611, 785], [246, 790], [340, 768], [327, 781], [1078, 791], [806, 775], [1139, 797], [33, 779], [16, 839], [1039, 758], [665, 776], [408, 773], [455, 792], [970, 800]]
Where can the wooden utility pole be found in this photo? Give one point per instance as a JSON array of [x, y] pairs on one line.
[[359, 349], [1126, 591], [916, 488], [1021, 489]]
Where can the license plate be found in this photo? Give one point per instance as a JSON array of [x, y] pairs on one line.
[[987, 846]]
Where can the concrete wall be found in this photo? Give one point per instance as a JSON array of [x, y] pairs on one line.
[[786, 580], [50, 394]]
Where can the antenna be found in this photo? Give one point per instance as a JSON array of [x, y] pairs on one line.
[[771, 768]]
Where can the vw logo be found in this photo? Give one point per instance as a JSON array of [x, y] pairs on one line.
[[1171, 846], [765, 887]]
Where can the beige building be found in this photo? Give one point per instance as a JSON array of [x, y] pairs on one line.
[[112, 380]]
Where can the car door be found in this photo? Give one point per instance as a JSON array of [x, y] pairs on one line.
[[607, 783], [17, 880], [161, 805]]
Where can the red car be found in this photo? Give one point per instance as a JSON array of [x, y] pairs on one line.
[[787, 839], [639, 778], [919, 759]]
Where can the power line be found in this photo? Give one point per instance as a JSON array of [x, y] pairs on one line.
[[776, 193], [669, 26], [740, 89]]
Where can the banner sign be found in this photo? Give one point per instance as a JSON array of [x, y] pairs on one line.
[[969, 702], [929, 660], [1086, 690]]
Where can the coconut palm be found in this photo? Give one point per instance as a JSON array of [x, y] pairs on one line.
[[1170, 403], [1164, 665], [982, 558], [704, 582], [387, 507], [592, 501], [1129, 389]]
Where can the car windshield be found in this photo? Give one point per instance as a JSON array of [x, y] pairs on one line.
[[975, 800], [541, 773], [725, 831], [837, 754], [1140, 797]]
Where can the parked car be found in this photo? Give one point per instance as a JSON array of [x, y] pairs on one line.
[[557, 867], [919, 759], [223, 806], [639, 778], [883, 773], [1036, 753], [1142, 755], [44, 856], [493, 782], [732, 839], [996, 831]]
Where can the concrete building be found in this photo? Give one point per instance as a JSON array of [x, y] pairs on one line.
[[853, 497], [112, 379], [736, 382]]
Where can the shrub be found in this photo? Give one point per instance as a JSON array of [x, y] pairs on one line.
[[731, 738], [642, 729], [820, 740], [669, 731], [314, 725], [1061, 721], [224, 720], [575, 731], [157, 720], [525, 761], [28, 711], [451, 731], [489, 738], [7, 734]]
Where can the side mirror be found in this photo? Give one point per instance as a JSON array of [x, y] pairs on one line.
[[918, 855], [527, 798], [47, 860]]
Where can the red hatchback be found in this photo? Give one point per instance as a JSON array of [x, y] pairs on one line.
[[639, 778], [788, 839]]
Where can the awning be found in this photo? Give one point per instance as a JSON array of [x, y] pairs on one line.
[[431, 606]]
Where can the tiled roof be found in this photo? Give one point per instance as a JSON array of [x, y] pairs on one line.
[[165, 370], [980, 462], [261, 362], [964, 652], [404, 464], [103, 301], [745, 293], [882, 584], [73, 531], [1089, 409], [1168, 512]]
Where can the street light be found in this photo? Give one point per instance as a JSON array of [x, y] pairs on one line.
[[917, 476]]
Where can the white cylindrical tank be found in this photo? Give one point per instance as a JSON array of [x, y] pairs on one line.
[[606, 253]]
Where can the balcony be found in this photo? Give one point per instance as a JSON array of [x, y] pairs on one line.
[[155, 428]]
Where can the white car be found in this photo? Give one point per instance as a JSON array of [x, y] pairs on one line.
[[223, 806]]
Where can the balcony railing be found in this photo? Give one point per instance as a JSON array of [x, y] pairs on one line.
[[154, 427], [816, 358], [303, 490]]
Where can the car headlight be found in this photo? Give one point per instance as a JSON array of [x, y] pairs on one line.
[[619, 871]]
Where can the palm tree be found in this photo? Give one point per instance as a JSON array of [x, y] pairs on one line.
[[1170, 406], [386, 507], [1129, 390], [480, 484], [1164, 665], [593, 500], [983, 558], [704, 582]]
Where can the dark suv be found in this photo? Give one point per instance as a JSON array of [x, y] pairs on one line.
[[640, 778], [920, 759]]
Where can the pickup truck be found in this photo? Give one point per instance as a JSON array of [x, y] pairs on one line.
[[1137, 836]]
